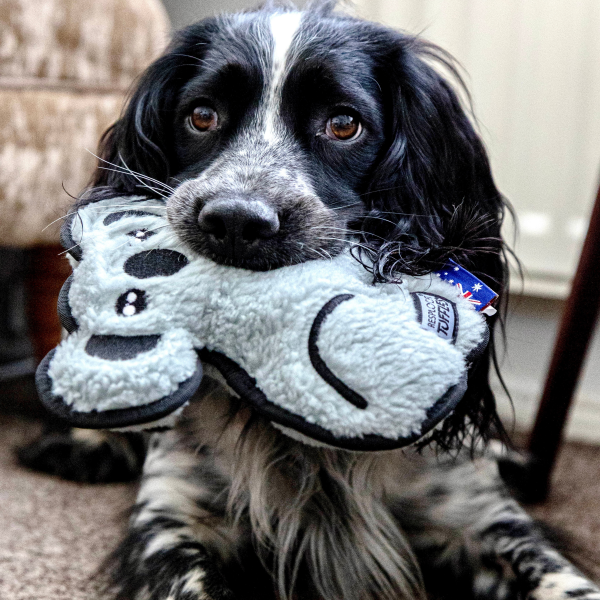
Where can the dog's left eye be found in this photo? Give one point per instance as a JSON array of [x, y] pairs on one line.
[[204, 118], [343, 127]]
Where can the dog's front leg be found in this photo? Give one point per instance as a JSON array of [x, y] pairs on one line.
[[470, 533], [178, 543]]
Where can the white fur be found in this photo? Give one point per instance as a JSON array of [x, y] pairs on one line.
[[283, 28], [556, 586]]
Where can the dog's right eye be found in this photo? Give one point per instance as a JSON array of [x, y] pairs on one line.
[[204, 118]]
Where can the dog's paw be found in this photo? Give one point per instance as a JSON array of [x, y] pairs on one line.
[[190, 585], [564, 585], [86, 456], [194, 585]]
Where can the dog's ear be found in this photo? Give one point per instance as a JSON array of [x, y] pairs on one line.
[[434, 173], [432, 197], [141, 141]]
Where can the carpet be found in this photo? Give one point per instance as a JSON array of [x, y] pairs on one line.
[[54, 535]]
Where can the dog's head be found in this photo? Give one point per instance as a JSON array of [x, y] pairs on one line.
[[279, 137]]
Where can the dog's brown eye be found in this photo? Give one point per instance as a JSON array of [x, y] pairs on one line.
[[204, 118], [343, 127]]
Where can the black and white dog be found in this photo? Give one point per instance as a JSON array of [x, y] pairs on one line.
[[285, 136]]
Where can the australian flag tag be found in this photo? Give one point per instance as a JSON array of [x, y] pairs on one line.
[[468, 286]]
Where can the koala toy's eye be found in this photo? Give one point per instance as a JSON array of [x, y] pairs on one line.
[[343, 127], [204, 118]]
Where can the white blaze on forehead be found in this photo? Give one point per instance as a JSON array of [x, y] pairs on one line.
[[283, 28]]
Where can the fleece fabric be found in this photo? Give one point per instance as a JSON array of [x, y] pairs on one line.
[[316, 347]]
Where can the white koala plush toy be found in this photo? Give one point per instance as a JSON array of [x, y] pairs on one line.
[[317, 348]]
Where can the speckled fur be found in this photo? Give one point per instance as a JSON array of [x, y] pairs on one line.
[[225, 488]]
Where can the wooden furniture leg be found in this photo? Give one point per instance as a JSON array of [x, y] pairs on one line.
[[48, 270], [532, 477]]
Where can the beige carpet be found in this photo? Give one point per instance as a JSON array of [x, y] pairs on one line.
[[55, 534], [574, 503]]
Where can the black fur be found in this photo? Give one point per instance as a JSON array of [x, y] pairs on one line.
[[105, 457]]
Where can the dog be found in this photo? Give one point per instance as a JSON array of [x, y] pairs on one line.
[[278, 136]]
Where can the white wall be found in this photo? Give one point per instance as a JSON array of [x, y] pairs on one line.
[[534, 72], [531, 330], [185, 12]]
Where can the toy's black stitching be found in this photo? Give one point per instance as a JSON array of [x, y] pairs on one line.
[[153, 263], [245, 386], [116, 216], [319, 364], [119, 347], [110, 419]]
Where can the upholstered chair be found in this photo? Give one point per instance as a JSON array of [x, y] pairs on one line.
[[65, 68]]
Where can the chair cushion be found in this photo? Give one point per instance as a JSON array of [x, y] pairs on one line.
[[65, 66], [99, 44]]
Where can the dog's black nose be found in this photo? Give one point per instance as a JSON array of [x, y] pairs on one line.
[[236, 227]]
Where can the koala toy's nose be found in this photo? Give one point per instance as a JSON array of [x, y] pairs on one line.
[[236, 228]]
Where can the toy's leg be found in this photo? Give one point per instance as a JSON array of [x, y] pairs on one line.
[[180, 545], [86, 455], [466, 528]]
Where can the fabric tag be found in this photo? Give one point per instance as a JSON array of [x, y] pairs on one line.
[[437, 314], [470, 287]]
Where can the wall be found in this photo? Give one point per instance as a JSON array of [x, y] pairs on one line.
[[184, 12], [533, 69], [530, 332]]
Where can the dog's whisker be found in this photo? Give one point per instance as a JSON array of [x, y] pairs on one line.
[[142, 175], [390, 189], [346, 241], [132, 205], [145, 185], [201, 61], [343, 206], [59, 219], [69, 249], [136, 175], [348, 232], [106, 210], [129, 171], [376, 218], [307, 247], [396, 212]]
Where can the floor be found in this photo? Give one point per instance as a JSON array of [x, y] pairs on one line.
[[54, 534]]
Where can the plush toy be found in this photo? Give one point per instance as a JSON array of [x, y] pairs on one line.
[[316, 347]]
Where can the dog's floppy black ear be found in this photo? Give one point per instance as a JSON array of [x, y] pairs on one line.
[[432, 196], [141, 141], [434, 174]]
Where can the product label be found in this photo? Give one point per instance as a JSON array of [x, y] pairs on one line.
[[437, 314]]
